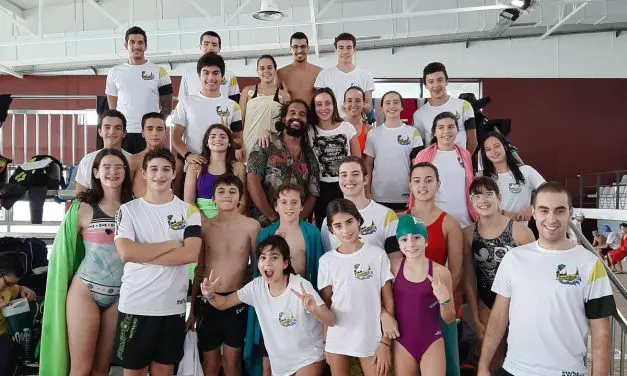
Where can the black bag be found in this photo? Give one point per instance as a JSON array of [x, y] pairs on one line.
[[33, 255], [49, 176], [36, 182]]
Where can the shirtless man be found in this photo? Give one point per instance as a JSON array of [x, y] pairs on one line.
[[298, 78], [154, 132], [230, 255]]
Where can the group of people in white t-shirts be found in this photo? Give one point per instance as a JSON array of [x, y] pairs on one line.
[[373, 291]]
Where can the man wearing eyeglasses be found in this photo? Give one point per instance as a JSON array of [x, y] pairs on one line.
[[298, 78]]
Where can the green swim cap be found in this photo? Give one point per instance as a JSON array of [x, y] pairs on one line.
[[408, 224]]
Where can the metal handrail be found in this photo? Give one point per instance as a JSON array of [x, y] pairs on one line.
[[586, 244], [618, 317]]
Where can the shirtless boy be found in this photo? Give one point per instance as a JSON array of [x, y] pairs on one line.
[[298, 78], [154, 133], [230, 255]]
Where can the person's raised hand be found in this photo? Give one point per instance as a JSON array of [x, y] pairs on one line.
[[208, 285], [439, 289], [306, 299]]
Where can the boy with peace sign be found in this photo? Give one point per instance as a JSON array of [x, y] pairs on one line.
[[422, 292], [290, 311]]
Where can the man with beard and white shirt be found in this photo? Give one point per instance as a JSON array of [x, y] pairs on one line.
[[553, 293], [298, 77], [380, 222], [210, 41], [287, 159], [345, 74]]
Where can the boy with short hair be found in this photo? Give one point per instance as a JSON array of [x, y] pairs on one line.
[[154, 132], [435, 78], [346, 74], [112, 129], [156, 236], [195, 113], [230, 255], [380, 222], [11, 271]]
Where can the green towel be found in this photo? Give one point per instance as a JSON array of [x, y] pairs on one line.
[[451, 350], [67, 254]]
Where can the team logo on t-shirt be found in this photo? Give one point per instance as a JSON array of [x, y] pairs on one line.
[[368, 230], [147, 76], [562, 276], [460, 161], [222, 112], [515, 188], [287, 319], [174, 224], [403, 141], [361, 273]]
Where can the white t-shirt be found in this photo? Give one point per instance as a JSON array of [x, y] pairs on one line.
[[293, 337], [390, 148], [380, 224], [85, 166], [137, 88], [423, 118], [339, 82], [190, 84], [197, 112], [330, 148], [517, 197], [451, 197], [552, 295], [356, 280], [154, 290]]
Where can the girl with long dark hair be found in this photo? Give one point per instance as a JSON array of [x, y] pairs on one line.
[[516, 181], [219, 152], [332, 139], [84, 258]]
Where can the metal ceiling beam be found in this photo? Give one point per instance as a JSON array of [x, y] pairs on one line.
[[422, 13], [259, 26], [412, 7], [102, 11], [326, 8], [40, 19], [10, 71], [564, 20], [199, 8], [238, 11], [314, 27], [12, 8], [17, 21]]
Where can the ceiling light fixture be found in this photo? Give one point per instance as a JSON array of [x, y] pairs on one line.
[[269, 11], [522, 4]]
